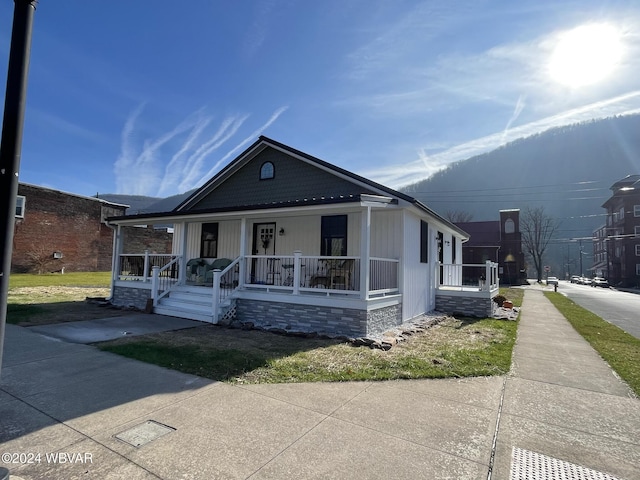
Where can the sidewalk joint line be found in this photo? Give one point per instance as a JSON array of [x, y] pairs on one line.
[[495, 433]]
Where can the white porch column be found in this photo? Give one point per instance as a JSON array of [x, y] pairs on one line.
[[115, 257], [365, 252], [296, 272], [155, 279], [216, 294], [243, 252], [145, 268], [182, 250]]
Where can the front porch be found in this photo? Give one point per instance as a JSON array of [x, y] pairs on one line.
[[330, 294], [468, 289]]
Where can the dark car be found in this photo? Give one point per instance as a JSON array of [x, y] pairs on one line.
[[599, 282]]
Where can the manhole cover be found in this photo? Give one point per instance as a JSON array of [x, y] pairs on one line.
[[526, 465], [144, 433]]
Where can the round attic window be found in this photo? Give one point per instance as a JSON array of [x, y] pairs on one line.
[[267, 171]]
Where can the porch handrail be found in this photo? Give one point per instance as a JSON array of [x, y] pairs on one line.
[[163, 278], [224, 284]]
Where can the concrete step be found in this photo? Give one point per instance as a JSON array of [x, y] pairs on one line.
[[197, 306], [183, 313]]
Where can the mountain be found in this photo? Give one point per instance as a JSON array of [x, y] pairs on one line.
[[143, 204], [567, 170]]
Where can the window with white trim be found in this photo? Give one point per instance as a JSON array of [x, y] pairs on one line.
[[637, 268], [636, 230], [636, 210], [637, 250], [20, 205]]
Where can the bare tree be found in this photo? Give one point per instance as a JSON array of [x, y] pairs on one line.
[[41, 258], [537, 228], [458, 216]]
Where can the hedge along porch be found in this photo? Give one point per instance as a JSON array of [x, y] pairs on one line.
[[287, 240]]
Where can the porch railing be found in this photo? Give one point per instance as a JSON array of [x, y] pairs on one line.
[[224, 283], [139, 266], [384, 275], [310, 274], [163, 278], [298, 273], [469, 277]]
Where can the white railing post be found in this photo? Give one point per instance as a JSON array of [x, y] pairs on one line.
[[488, 275], [155, 280], [296, 272], [145, 270], [216, 294]]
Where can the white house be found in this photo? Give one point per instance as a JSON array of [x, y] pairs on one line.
[[282, 239]]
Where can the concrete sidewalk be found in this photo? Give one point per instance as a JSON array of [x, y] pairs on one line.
[[118, 418]]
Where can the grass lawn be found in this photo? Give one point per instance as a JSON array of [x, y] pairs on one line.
[[77, 279], [51, 298], [456, 347], [617, 347]]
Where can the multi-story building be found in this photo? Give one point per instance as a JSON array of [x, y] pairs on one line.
[[618, 246]]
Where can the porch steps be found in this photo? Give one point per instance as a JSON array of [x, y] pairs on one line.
[[193, 303]]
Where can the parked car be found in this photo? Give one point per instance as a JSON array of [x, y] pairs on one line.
[[575, 279], [599, 282], [552, 280], [585, 281]]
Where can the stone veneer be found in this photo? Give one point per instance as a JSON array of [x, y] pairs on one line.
[[324, 320], [464, 305], [131, 297]]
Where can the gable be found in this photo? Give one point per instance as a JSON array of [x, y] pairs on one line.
[[293, 179]]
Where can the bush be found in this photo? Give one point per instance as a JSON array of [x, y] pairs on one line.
[[499, 299]]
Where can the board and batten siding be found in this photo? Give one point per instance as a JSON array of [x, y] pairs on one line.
[[386, 234], [417, 281]]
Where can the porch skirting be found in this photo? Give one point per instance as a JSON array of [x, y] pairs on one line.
[[480, 307], [318, 319], [131, 297]]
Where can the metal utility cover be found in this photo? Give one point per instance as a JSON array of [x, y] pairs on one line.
[[526, 465], [144, 433]]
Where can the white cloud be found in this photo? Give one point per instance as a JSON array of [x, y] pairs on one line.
[[426, 165], [173, 162]]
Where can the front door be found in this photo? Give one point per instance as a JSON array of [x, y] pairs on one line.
[[263, 270]]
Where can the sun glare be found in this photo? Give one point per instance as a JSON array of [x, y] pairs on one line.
[[586, 55]]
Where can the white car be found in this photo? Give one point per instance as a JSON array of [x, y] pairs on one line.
[[552, 280]]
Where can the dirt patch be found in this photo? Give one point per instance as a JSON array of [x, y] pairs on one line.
[[29, 306]]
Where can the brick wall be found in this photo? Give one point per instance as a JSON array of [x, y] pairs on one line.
[[74, 226], [465, 305], [131, 297], [323, 320]]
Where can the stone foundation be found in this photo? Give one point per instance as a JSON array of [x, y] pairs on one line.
[[131, 297], [332, 321], [464, 305]]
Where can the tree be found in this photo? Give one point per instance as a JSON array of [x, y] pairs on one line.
[[458, 216], [536, 228]]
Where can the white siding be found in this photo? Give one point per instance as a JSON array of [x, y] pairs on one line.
[[386, 234], [229, 239], [417, 284]]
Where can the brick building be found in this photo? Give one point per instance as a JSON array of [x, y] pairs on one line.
[[499, 241], [55, 230], [616, 245]]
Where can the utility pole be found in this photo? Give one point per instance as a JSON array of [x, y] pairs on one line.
[[11, 142]]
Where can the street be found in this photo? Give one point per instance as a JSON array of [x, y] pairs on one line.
[[620, 308]]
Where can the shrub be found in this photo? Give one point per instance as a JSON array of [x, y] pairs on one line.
[[499, 299]]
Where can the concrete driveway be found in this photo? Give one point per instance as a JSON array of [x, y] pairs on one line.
[[103, 329]]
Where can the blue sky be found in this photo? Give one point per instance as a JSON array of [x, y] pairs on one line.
[[153, 98]]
